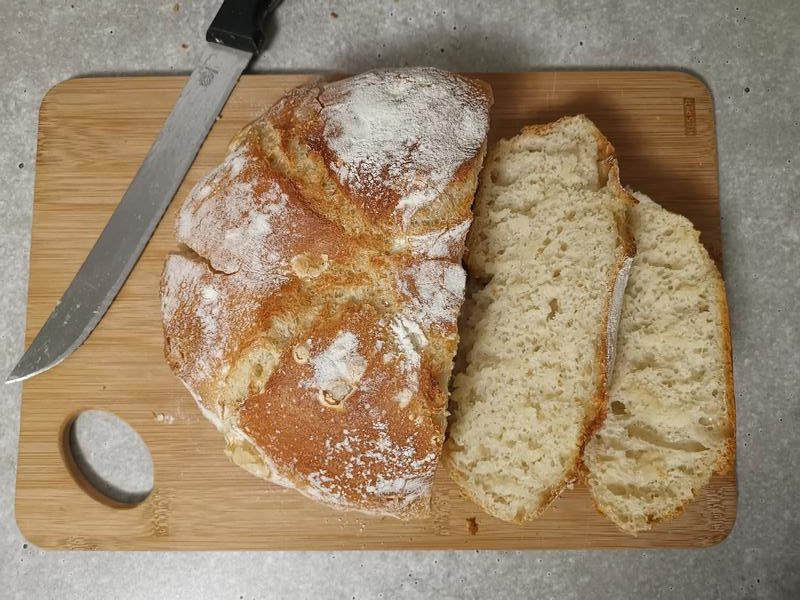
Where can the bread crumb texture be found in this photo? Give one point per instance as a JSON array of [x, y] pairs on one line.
[[546, 247]]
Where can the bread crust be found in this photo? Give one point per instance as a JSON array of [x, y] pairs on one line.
[[727, 458], [312, 313]]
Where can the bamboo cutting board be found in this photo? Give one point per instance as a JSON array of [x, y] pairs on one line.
[[93, 134]]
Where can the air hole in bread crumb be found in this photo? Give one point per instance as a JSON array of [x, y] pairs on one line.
[[617, 489], [563, 247], [618, 408], [556, 273], [655, 438], [553, 309], [258, 370]]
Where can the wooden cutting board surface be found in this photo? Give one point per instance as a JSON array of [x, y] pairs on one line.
[[94, 133]]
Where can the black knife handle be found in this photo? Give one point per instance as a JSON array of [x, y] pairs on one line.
[[240, 24]]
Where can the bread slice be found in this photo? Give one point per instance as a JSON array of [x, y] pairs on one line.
[[671, 418], [551, 245]]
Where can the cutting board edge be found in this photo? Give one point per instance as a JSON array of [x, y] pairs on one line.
[[67, 85], [689, 75]]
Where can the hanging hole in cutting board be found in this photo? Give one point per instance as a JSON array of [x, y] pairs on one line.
[[111, 457]]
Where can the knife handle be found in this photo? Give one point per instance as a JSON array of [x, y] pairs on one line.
[[240, 24]]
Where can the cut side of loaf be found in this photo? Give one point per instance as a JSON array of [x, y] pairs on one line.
[[312, 311], [549, 251], [671, 418]]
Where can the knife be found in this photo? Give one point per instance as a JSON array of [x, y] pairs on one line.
[[236, 34]]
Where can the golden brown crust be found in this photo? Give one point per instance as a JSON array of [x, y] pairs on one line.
[[375, 184], [313, 322], [214, 306], [728, 457], [355, 445]]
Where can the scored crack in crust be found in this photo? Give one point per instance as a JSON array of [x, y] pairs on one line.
[[312, 309]]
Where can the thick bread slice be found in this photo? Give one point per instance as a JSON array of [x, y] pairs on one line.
[[551, 244], [671, 418], [312, 312]]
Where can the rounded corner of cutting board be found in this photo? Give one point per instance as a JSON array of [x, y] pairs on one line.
[[26, 527], [693, 79], [63, 86]]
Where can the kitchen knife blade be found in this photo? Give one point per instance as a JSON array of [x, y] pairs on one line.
[[234, 36]]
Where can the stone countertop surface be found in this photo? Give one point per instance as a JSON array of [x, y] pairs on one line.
[[746, 51]]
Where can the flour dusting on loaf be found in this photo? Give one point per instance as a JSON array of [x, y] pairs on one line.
[[442, 243], [312, 311], [408, 336], [337, 369], [206, 312], [405, 131], [435, 290]]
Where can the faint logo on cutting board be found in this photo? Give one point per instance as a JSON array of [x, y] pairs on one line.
[[689, 117]]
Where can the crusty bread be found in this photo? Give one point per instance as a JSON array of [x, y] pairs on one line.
[[312, 311], [671, 418], [551, 247]]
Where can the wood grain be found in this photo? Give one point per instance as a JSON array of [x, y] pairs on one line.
[[93, 134]]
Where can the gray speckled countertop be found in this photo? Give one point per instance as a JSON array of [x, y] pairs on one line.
[[745, 50]]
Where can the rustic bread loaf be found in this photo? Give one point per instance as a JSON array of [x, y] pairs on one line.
[[671, 418], [551, 248], [312, 311]]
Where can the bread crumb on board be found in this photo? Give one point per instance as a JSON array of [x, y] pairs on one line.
[[163, 418], [472, 525]]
